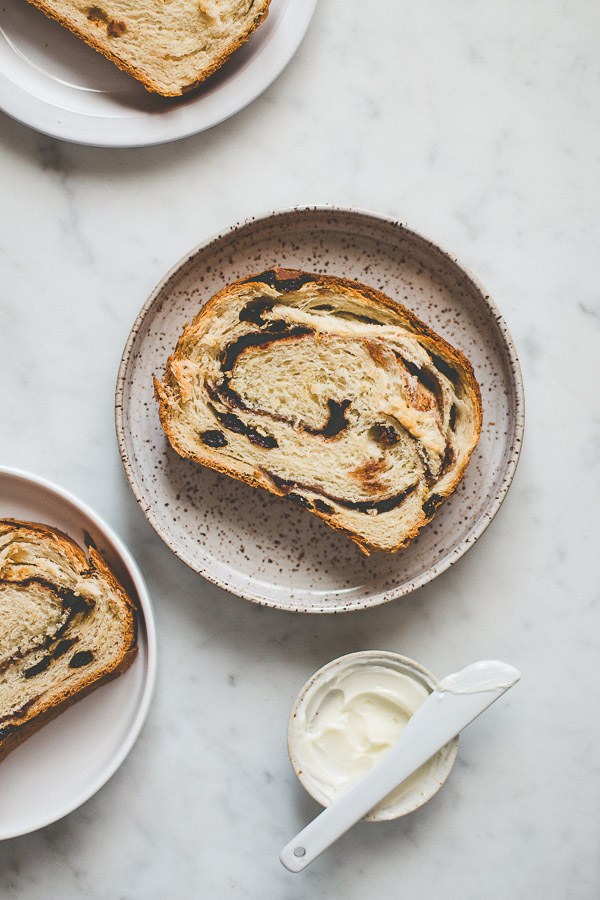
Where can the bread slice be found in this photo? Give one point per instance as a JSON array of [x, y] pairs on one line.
[[171, 47], [328, 392], [66, 627]]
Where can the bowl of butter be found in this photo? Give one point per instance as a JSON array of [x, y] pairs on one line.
[[346, 718]]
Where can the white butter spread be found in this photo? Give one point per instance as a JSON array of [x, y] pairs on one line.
[[350, 721]]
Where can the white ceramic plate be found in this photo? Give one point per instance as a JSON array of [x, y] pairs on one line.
[[260, 546], [54, 82], [68, 760]]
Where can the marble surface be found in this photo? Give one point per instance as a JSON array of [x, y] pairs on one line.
[[477, 124]]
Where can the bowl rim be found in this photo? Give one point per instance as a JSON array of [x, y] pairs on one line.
[[478, 528], [424, 677]]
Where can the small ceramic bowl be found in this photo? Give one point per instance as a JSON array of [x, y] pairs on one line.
[[417, 789]]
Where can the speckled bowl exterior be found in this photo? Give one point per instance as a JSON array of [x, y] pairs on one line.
[[436, 773], [261, 547]]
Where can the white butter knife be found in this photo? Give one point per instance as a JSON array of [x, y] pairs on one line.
[[456, 701]]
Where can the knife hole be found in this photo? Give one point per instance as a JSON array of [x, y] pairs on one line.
[[299, 851]]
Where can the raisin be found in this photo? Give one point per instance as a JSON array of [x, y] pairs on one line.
[[213, 438], [261, 440], [62, 647], [385, 435], [323, 507], [83, 658], [452, 421], [37, 668], [431, 504], [278, 326], [232, 423], [276, 278], [299, 500]]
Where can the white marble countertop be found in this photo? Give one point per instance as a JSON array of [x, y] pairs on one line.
[[479, 125]]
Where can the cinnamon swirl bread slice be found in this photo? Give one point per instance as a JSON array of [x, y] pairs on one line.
[[66, 627], [327, 392]]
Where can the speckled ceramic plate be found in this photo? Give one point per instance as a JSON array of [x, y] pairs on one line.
[[69, 759], [257, 545]]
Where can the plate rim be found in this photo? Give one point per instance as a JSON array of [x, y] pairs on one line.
[[147, 612], [65, 124], [478, 527]]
